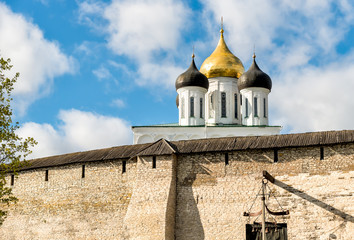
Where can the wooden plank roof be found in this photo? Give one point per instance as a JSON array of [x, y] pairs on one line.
[[160, 147], [264, 142], [163, 147], [120, 152]]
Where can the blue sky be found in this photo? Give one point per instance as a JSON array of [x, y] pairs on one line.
[[92, 69]]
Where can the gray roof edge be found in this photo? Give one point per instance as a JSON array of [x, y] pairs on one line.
[[188, 146], [203, 126]]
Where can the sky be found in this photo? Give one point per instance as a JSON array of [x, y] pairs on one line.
[[89, 70]]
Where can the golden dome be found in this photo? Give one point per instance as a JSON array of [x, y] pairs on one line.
[[222, 63]]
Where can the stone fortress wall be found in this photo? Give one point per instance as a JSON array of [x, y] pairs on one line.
[[212, 197], [186, 196]]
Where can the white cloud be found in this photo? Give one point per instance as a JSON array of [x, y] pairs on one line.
[[38, 60], [78, 131], [85, 48], [159, 75], [296, 44], [139, 28], [102, 73], [315, 98], [119, 103], [49, 140], [89, 13], [270, 24], [142, 30], [245, 22]]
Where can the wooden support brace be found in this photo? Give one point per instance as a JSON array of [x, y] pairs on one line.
[[269, 177]]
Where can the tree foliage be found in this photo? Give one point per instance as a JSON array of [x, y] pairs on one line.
[[13, 149]]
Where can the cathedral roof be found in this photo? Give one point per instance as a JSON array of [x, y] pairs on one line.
[[192, 78], [222, 63], [254, 77]]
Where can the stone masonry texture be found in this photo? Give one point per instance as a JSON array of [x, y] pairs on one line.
[[187, 196]]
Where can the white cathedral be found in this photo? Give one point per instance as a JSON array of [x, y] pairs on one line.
[[220, 100]]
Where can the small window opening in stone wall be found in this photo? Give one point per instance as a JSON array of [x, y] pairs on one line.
[[46, 175], [83, 171], [153, 161], [321, 153], [276, 155], [12, 179], [226, 159], [124, 166]]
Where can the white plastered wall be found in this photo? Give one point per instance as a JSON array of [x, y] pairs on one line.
[[185, 94], [151, 134], [218, 85], [262, 117]]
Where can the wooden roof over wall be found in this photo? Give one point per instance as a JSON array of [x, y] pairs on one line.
[[163, 147]]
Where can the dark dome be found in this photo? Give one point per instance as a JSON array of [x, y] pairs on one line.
[[254, 77], [192, 78]]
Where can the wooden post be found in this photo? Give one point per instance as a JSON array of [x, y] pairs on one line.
[[263, 211]]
